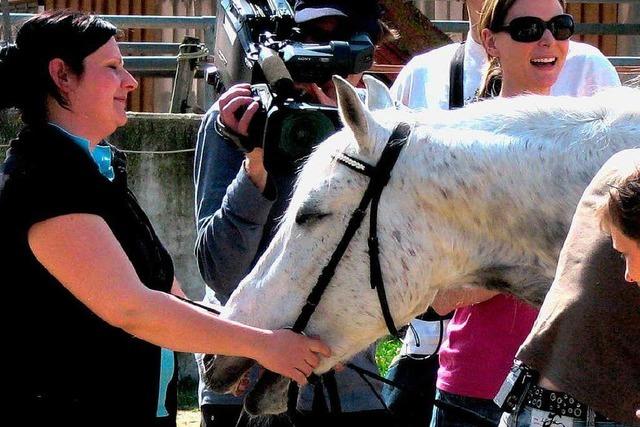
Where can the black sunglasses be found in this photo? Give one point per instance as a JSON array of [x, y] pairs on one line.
[[527, 29]]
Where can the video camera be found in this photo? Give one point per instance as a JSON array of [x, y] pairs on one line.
[[257, 41]]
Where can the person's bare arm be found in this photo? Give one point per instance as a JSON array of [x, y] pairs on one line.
[[83, 254], [447, 300]]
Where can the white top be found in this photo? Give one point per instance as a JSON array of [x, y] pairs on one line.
[[424, 83]]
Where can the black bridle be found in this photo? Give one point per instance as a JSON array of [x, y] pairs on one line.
[[379, 177]]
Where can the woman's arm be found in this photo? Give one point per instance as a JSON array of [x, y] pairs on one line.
[[83, 254], [447, 300]]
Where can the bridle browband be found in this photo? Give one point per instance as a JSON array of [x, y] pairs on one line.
[[379, 177]]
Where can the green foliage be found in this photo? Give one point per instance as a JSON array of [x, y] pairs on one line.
[[187, 393], [387, 349]]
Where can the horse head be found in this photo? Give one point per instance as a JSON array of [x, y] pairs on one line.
[[348, 317]]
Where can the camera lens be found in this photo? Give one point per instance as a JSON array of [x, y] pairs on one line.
[[302, 131]]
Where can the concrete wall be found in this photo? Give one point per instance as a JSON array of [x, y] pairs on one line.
[[163, 184]]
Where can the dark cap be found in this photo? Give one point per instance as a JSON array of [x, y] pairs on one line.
[[358, 10]]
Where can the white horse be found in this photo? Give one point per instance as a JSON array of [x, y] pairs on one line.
[[480, 196]]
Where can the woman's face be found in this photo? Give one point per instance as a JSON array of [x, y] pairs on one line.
[[528, 67], [630, 250], [98, 97]]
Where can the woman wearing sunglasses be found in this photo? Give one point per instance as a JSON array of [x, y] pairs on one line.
[[527, 43], [425, 83]]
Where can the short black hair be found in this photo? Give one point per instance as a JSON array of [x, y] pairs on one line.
[[24, 67]]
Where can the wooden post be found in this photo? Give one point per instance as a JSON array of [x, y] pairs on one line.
[[629, 13], [6, 22], [185, 74]]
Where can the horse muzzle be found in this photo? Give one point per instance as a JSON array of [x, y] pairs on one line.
[[222, 373], [269, 396]]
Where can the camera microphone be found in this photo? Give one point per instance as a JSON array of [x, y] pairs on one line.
[[275, 72]]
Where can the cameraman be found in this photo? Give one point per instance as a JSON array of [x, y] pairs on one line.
[[238, 203]]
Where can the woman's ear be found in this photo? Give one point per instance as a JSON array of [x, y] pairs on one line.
[[489, 42], [61, 75]]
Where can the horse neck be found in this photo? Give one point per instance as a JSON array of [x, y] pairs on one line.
[[500, 193]]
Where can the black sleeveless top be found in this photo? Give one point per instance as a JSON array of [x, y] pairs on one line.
[[65, 361]]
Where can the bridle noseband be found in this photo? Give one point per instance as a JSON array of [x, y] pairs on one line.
[[379, 177]]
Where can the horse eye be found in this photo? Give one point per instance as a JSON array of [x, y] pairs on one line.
[[303, 218]]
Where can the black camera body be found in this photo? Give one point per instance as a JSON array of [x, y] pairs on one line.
[[245, 27], [289, 130], [256, 43]]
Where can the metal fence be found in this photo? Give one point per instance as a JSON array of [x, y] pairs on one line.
[[161, 58]]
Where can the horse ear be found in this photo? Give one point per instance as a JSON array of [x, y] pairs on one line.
[[378, 95], [353, 112]]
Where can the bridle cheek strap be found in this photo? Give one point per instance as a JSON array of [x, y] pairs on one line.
[[380, 175]]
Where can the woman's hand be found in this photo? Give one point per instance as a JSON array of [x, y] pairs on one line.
[[290, 354], [447, 300]]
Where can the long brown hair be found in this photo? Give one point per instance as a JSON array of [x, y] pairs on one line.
[[492, 17]]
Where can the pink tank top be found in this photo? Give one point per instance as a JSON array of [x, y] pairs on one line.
[[483, 340]]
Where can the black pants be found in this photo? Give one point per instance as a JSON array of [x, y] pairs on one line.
[[412, 408]]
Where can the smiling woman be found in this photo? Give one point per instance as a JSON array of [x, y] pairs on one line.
[[78, 247], [527, 43], [100, 93]]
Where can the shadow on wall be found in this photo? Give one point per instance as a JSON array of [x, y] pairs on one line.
[[160, 175]]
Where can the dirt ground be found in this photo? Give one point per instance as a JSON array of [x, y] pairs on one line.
[[188, 418]]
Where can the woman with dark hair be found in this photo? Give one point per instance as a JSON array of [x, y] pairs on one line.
[[77, 247]]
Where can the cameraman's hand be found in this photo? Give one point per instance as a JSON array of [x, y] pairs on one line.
[[232, 103]]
